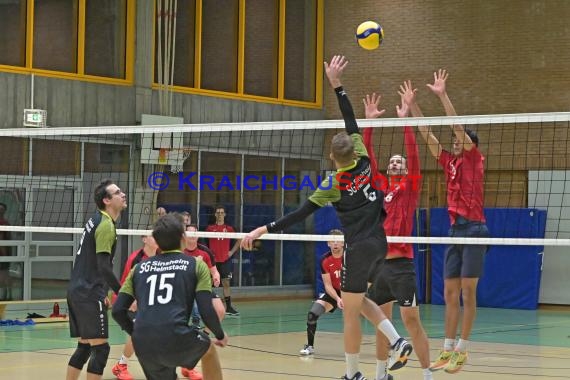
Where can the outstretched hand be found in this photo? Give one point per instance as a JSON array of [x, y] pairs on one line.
[[439, 78], [371, 106], [407, 93], [403, 110], [334, 69], [247, 241]]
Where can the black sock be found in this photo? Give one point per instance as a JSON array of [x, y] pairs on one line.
[[228, 302], [311, 331]]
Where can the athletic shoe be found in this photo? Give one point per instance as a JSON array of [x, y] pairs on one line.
[[399, 355], [191, 373], [387, 377], [458, 359], [121, 372], [307, 350], [441, 361], [357, 376], [231, 311]]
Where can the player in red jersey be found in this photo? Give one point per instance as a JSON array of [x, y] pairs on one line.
[[329, 301], [194, 250], [223, 255], [397, 273], [464, 174], [120, 370]]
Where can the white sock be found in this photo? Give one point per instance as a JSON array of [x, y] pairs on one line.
[[387, 328], [380, 369], [351, 364], [123, 360], [427, 374], [448, 344], [461, 345]]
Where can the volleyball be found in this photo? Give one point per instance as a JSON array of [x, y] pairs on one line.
[[369, 35]]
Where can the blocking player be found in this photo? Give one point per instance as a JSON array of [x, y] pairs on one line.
[[397, 273], [464, 264]]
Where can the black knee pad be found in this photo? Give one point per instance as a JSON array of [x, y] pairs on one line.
[[316, 311], [98, 361], [80, 356]]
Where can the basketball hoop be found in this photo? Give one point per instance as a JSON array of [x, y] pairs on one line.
[[178, 167]]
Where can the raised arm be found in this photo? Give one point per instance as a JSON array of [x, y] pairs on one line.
[[372, 112], [334, 71], [408, 94], [439, 88]]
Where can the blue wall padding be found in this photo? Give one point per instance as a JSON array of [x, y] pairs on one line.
[[511, 276]]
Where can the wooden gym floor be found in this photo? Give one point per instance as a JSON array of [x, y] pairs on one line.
[[266, 338]]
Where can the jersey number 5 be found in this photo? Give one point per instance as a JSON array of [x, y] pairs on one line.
[[164, 288]]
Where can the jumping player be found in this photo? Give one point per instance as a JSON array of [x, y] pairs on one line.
[[397, 273]]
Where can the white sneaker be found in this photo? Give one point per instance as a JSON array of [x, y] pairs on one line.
[[307, 350], [399, 355]]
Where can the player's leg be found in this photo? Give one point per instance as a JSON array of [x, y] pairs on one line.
[[452, 289], [121, 369], [380, 292], [211, 366], [324, 304], [403, 286], [383, 346], [192, 373], [83, 351], [471, 270], [225, 270]]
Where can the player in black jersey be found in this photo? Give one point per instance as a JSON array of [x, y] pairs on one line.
[[165, 287], [91, 275], [359, 207]]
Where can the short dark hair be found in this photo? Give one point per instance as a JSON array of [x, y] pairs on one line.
[[101, 193], [220, 206], [472, 135], [167, 232], [4, 205]]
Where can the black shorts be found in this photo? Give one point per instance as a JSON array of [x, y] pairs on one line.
[[464, 260], [88, 318], [328, 299], [225, 269], [159, 357], [359, 258], [396, 281]]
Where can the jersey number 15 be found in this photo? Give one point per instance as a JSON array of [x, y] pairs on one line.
[[164, 292]]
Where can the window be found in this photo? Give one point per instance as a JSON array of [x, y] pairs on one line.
[[13, 33], [55, 35], [85, 39], [105, 36], [262, 50], [261, 47], [220, 45], [300, 49]]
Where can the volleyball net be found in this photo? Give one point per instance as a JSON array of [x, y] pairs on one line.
[[259, 172]]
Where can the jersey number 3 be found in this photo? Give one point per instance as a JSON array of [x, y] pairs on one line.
[[164, 292]]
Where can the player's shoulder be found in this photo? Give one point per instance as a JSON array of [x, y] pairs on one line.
[[326, 256]]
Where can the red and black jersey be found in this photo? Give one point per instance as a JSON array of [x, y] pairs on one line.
[[333, 266]]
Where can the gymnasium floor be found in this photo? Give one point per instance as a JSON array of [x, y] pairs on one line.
[[266, 338]]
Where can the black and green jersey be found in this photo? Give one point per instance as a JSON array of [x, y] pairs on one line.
[[359, 206], [165, 287], [99, 238]]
